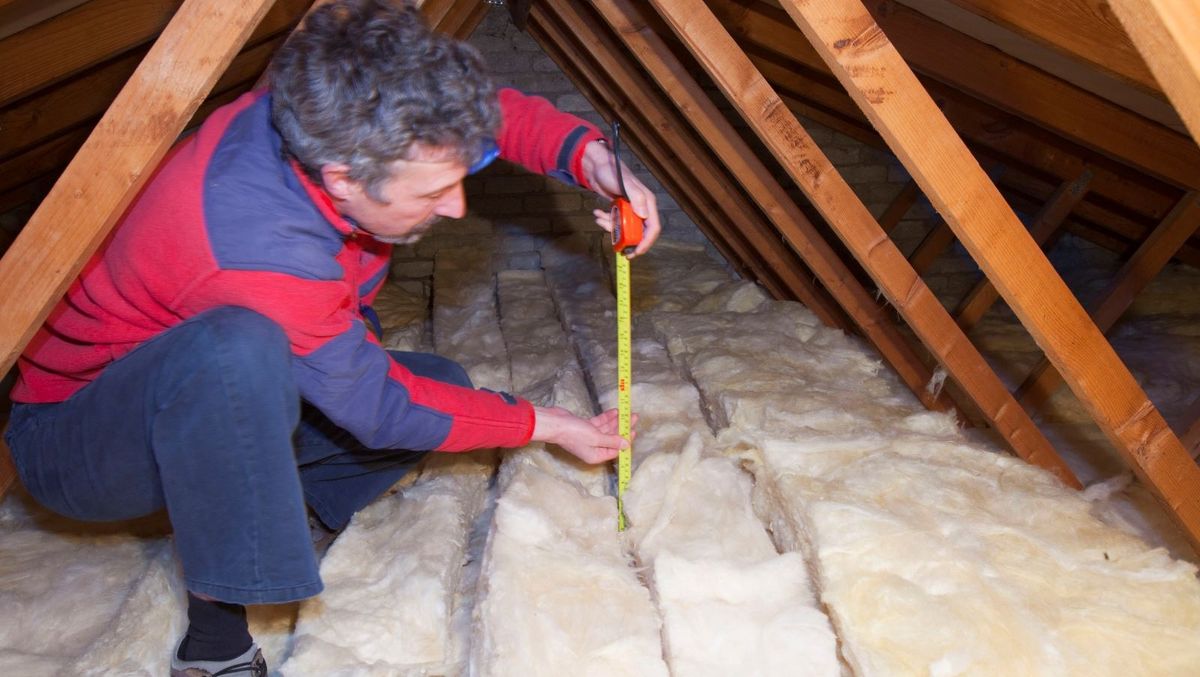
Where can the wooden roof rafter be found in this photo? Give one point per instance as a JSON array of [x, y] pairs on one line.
[[1165, 35], [686, 95], [714, 48], [167, 87], [614, 86], [861, 55]]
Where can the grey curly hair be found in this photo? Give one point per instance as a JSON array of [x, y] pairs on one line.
[[364, 82]]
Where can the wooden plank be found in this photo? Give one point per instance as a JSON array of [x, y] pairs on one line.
[[1013, 85], [686, 94], [1083, 29], [1047, 222], [888, 92], [8, 472], [84, 99], [47, 52], [899, 206], [937, 240], [1191, 438], [758, 245], [695, 199], [754, 99], [126, 145], [1166, 33], [1003, 136], [468, 26], [1130, 280]]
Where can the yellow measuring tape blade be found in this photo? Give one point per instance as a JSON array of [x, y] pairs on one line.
[[624, 383]]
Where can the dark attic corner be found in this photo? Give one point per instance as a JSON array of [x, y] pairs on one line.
[[915, 352]]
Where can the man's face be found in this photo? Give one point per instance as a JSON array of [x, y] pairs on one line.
[[419, 191]]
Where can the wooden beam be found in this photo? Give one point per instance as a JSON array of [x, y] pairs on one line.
[[754, 244], [1047, 222], [83, 99], [1191, 438], [800, 156], [695, 198], [50, 51], [1081, 116], [1081, 29], [1166, 33], [1008, 138], [1130, 280], [686, 94], [899, 206], [888, 92], [937, 239], [8, 472], [114, 163]]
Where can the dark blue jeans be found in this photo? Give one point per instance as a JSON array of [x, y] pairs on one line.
[[205, 420]]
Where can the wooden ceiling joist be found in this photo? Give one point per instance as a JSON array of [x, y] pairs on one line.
[[752, 96], [615, 84], [1130, 280], [1045, 224], [692, 103], [871, 69], [1165, 34]]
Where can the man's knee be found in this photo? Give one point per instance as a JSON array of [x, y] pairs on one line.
[[232, 340]]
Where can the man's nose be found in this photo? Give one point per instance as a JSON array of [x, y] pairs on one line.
[[453, 204]]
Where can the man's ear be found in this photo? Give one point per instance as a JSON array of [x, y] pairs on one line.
[[336, 179]]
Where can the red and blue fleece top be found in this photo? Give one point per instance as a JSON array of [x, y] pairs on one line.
[[227, 221]]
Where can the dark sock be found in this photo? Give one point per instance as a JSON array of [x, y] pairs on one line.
[[217, 631]]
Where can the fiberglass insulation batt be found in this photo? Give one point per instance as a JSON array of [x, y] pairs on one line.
[[934, 555]]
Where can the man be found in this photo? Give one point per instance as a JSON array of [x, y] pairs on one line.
[[213, 358]]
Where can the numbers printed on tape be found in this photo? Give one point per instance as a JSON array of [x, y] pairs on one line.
[[624, 379]]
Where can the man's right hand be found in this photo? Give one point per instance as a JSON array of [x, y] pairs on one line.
[[593, 440]]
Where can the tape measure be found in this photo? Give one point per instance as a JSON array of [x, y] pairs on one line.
[[626, 234]]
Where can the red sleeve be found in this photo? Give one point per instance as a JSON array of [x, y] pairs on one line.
[[543, 139]]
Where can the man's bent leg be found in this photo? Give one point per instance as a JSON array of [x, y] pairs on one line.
[[339, 474], [198, 420]]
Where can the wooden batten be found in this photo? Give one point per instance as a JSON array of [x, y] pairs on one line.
[[1045, 225], [766, 113], [1165, 33], [754, 241], [1130, 280], [686, 95], [867, 64], [188, 58]]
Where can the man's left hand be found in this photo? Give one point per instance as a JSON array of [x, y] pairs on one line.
[[600, 171]]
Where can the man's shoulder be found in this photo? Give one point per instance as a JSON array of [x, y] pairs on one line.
[[256, 212]]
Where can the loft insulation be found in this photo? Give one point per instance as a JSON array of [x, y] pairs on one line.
[[553, 549], [725, 601], [934, 555]]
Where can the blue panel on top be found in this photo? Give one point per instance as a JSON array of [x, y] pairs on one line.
[[257, 213]]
